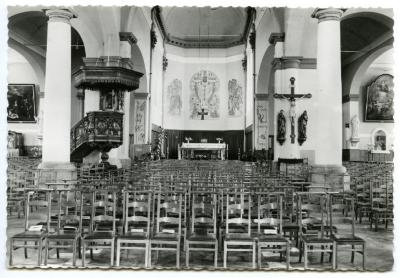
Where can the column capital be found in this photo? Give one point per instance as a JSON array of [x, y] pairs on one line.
[[59, 15], [327, 14], [276, 37]]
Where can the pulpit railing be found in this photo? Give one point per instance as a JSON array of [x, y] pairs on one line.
[[98, 130]]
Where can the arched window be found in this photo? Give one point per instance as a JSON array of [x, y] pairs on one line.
[[379, 141]]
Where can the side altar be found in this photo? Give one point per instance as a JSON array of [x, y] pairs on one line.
[[187, 150]]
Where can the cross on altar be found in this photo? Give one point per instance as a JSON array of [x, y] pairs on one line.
[[292, 98], [202, 113]]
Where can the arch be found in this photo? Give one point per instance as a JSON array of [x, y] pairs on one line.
[[139, 65], [37, 62], [379, 140], [266, 74], [384, 16]]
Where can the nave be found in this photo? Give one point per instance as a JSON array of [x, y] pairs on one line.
[[239, 215]]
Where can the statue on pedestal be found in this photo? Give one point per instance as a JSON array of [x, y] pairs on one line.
[[355, 124], [281, 137], [302, 127]]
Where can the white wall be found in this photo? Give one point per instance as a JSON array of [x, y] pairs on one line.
[[21, 71], [226, 64]]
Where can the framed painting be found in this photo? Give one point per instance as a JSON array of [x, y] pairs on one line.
[[21, 103], [379, 101]]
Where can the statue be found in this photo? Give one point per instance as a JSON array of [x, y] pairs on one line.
[[281, 127], [302, 127], [355, 124]]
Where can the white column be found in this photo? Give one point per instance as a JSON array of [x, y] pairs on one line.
[[328, 150], [57, 100]]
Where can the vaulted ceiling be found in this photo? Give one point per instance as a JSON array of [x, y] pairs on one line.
[[195, 27]]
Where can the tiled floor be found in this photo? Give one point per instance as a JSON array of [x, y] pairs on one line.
[[379, 256]]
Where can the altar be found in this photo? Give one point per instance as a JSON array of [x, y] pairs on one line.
[[187, 150]]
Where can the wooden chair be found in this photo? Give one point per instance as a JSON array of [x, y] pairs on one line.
[[357, 244], [66, 235], [269, 227], [103, 224], [238, 226], [167, 235], [33, 237], [137, 220], [203, 225], [313, 217]]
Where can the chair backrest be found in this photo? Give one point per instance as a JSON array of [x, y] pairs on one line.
[[339, 202], [169, 212], [39, 199], [69, 208], [269, 213], [137, 211], [103, 209], [313, 211], [238, 213], [203, 211]]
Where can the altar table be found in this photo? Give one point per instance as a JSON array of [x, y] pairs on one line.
[[189, 148]]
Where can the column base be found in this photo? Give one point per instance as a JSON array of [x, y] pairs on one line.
[[330, 177], [55, 172]]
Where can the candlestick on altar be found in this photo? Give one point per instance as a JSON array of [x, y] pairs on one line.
[[219, 140], [188, 139]]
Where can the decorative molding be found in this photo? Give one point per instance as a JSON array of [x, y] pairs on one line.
[[128, 36], [156, 128], [327, 14], [348, 98], [252, 40], [153, 38], [297, 62], [276, 37], [80, 93], [244, 63], [165, 63]]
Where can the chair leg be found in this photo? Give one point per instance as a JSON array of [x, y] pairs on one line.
[[305, 256], [149, 259], [225, 253], [46, 252], [146, 255], [363, 256], [300, 251], [25, 251], [253, 258], [334, 251], [216, 255], [287, 256], [259, 256], [187, 253], [74, 243], [117, 256], [11, 252], [178, 254], [83, 253], [322, 253], [40, 252], [112, 253], [352, 253]]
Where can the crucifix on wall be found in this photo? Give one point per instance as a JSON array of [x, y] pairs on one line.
[[292, 110], [202, 113]]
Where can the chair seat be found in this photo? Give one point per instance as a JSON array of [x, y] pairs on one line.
[[134, 236], [63, 235], [238, 237], [30, 235], [201, 237], [272, 238], [99, 235], [314, 239], [166, 236], [347, 239]]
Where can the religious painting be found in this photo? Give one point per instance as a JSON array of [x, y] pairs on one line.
[[140, 117], [21, 103], [174, 98], [235, 99], [262, 125], [379, 101], [112, 100], [204, 100]]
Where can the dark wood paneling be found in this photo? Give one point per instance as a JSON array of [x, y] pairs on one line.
[[234, 139]]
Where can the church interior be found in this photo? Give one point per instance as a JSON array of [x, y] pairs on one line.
[[200, 138]]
